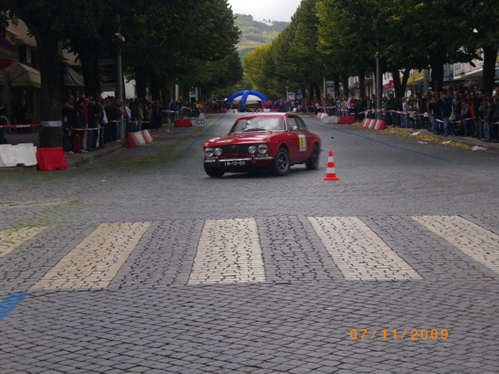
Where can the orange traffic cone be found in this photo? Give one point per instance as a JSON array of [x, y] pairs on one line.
[[330, 173]]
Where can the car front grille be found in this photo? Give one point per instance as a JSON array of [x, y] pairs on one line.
[[232, 150]]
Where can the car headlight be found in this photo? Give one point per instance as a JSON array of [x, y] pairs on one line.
[[218, 151], [208, 152], [252, 149], [262, 148]]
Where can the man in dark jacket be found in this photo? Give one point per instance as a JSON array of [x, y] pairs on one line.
[[434, 111], [445, 111], [156, 115], [93, 124], [390, 106]]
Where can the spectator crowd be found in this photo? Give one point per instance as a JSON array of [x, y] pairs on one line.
[[470, 112], [92, 122]]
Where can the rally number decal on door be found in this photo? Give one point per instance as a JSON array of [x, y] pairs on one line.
[[303, 143]]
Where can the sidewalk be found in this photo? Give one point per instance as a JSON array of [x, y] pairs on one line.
[[425, 135], [76, 159]]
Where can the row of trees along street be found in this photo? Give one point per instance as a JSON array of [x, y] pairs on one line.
[[340, 38], [189, 42]]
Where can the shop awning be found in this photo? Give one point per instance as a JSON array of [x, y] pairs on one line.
[[73, 79], [24, 76]]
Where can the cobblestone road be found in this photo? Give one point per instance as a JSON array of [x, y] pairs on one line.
[[144, 264]]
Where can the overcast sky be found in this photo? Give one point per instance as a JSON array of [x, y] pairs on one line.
[[275, 10]]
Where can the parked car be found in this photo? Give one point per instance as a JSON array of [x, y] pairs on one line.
[[270, 141]]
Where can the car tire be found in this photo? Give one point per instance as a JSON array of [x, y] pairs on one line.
[[213, 172], [313, 162], [281, 164]]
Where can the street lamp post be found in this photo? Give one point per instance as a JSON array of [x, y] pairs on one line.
[[378, 90], [119, 77]]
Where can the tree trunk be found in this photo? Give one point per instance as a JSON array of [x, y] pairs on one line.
[[336, 79], [155, 86], [90, 68], [165, 92], [437, 72], [344, 82], [489, 68], [51, 91], [141, 81], [399, 86]]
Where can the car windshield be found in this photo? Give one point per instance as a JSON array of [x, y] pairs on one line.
[[258, 124]]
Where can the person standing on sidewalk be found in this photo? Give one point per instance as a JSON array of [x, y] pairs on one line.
[[93, 124], [172, 107], [4, 120], [69, 111], [445, 111], [156, 115], [128, 117], [84, 138]]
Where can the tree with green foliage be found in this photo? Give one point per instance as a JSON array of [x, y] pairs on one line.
[[164, 37], [35, 14], [304, 54], [480, 23], [346, 38], [253, 66]]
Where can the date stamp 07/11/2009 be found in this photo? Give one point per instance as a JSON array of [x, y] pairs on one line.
[[407, 334]]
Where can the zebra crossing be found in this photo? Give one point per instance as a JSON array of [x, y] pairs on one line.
[[358, 252], [229, 251], [14, 238]]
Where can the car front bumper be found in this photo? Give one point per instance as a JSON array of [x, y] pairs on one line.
[[240, 161]]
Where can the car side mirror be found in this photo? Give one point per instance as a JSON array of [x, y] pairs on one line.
[[294, 128]]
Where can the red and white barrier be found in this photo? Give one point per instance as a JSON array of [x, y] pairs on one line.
[[182, 123], [330, 120], [20, 154], [373, 124], [346, 120], [50, 159], [380, 125], [131, 141], [147, 136], [138, 139]]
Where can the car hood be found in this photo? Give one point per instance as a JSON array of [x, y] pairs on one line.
[[252, 137]]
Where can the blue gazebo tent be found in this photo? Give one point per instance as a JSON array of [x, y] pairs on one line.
[[246, 97]]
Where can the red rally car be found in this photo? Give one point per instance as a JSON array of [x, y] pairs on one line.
[[273, 141]]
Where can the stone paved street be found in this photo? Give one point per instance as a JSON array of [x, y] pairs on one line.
[[138, 262]]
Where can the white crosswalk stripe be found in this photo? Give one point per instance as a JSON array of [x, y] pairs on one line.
[[358, 252], [473, 240], [228, 252], [12, 239], [96, 260]]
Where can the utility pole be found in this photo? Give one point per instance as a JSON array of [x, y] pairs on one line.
[[378, 89], [119, 77]]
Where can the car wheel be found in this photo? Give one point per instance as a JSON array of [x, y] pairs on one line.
[[213, 172], [313, 161], [281, 164]]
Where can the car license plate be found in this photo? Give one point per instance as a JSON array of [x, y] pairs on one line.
[[235, 163]]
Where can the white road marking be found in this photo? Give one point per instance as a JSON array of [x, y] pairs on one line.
[[96, 260], [358, 252], [475, 241], [228, 252], [12, 239]]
